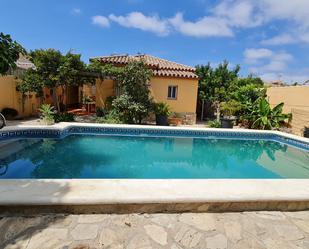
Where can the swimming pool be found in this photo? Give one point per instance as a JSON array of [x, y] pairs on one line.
[[90, 152]]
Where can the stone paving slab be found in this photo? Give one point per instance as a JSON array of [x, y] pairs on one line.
[[258, 230]]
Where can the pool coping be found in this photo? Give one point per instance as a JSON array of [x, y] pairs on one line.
[[263, 194]]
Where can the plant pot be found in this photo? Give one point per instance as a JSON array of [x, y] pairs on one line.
[[162, 120], [175, 121], [227, 122], [306, 132]]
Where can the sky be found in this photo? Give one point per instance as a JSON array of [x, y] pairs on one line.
[[268, 38]]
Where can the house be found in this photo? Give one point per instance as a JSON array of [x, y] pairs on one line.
[[172, 83]]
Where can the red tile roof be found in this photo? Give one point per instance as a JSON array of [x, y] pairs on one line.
[[160, 67]]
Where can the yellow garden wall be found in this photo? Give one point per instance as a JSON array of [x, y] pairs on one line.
[[296, 101], [300, 120], [11, 98], [292, 96]]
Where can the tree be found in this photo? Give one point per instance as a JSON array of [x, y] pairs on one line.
[[9, 53], [204, 91], [30, 82], [135, 97], [54, 70], [102, 72], [246, 91], [214, 84]]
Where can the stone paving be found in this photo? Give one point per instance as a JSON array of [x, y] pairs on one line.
[[259, 230]]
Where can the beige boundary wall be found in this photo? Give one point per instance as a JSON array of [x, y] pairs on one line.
[[10, 98], [296, 97], [296, 101], [300, 121]]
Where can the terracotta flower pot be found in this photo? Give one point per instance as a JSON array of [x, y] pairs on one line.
[[175, 121]]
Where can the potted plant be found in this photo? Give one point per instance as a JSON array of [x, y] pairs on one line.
[[162, 111], [229, 110], [86, 100], [47, 114]]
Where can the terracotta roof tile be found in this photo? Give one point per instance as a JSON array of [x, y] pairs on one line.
[[160, 67]]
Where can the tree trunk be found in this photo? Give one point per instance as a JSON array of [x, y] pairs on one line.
[[23, 101], [202, 112], [217, 104], [55, 99], [64, 97]]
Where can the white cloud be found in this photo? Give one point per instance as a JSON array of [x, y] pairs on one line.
[[102, 21], [205, 27], [304, 37], [285, 77], [277, 63], [238, 13], [225, 18], [266, 63], [76, 11], [253, 56], [280, 40], [295, 10], [140, 21]]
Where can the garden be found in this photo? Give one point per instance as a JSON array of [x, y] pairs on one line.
[[234, 100], [224, 98]]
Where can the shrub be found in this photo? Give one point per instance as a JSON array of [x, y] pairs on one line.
[[162, 109], [230, 108], [9, 113], [262, 116], [110, 118], [47, 112], [214, 124], [100, 112], [108, 102], [64, 117], [128, 110], [87, 99]]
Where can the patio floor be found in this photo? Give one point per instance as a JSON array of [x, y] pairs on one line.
[[271, 230]]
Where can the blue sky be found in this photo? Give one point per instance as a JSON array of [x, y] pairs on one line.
[[269, 38]]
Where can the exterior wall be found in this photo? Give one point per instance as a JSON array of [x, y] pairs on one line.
[[184, 105], [104, 89], [300, 121], [11, 98], [186, 97], [296, 101], [293, 97]]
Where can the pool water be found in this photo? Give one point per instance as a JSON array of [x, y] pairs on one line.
[[109, 157]]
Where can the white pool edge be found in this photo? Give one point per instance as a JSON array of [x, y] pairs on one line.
[[63, 125], [116, 191]]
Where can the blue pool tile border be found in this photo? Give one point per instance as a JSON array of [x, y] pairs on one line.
[[57, 134]]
